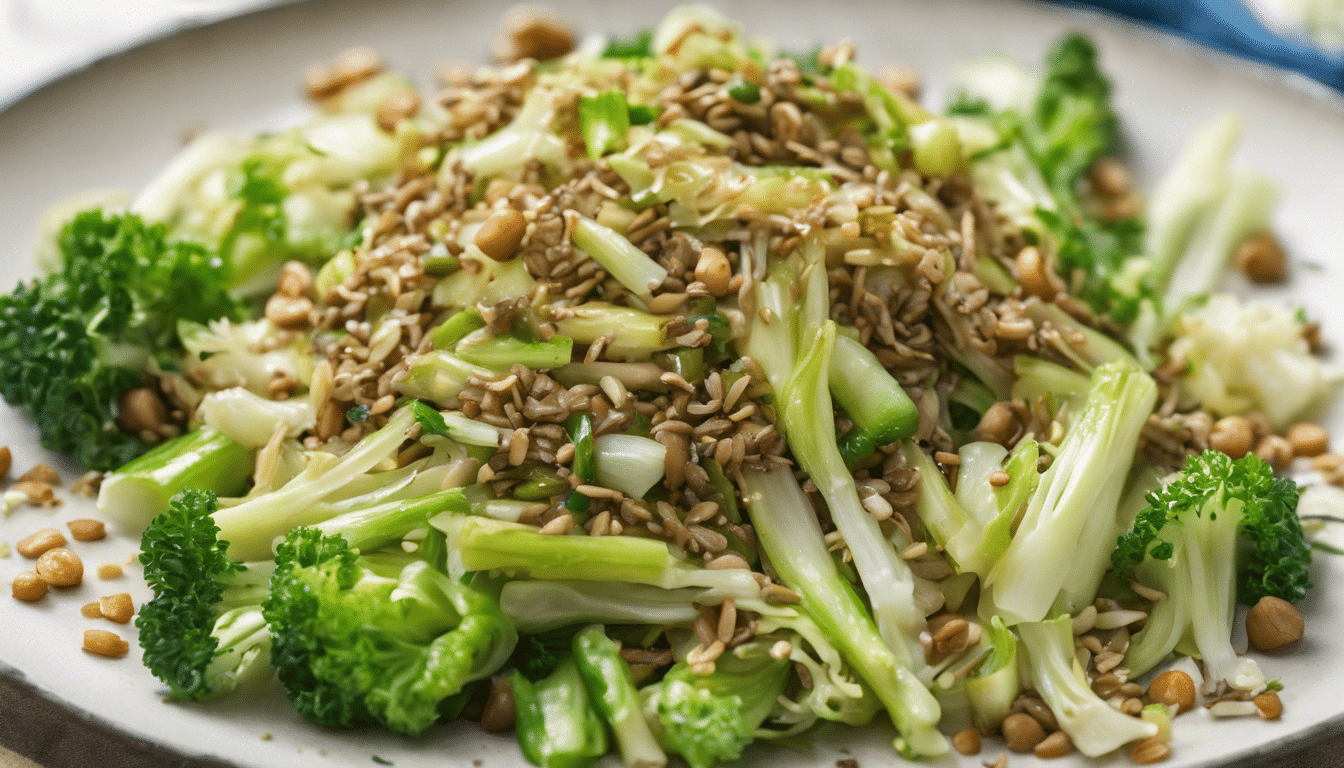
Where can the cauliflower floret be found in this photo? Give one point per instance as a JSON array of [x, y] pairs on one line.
[[1249, 356]]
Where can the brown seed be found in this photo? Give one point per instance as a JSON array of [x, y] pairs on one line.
[[60, 567], [1034, 274], [1022, 732], [998, 478], [1149, 751], [1276, 451], [28, 586], [1308, 439], [1110, 177], [359, 63], [34, 544], [534, 34], [92, 610], [1262, 259], [1273, 623], [87, 529], [141, 409], [499, 711], [104, 643], [1233, 435], [42, 473], [6, 460], [295, 279], [118, 607], [967, 741], [1269, 705], [39, 494], [109, 571], [714, 271], [996, 425], [1055, 745], [289, 312], [501, 233], [1173, 687], [398, 106]]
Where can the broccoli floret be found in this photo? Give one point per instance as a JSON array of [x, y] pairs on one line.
[[359, 641], [1225, 530], [73, 342], [710, 718], [202, 634]]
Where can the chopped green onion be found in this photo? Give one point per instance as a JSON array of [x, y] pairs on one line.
[[742, 91]]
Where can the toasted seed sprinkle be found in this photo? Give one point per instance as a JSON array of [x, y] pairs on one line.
[[559, 526], [1147, 593], [598, 492], [1116, 619]]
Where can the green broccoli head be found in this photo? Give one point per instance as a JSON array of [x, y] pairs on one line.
[[361, 642], [711, 718], [72, 342], [186, 566], [703, 727], [1275, 558]]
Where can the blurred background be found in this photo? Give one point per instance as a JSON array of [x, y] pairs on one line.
[[39, 38]]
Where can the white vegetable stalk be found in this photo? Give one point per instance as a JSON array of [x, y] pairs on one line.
[[618, 256], [251, 420], [628, 463]]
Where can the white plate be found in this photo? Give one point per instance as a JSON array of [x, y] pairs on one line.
[[115, 123]]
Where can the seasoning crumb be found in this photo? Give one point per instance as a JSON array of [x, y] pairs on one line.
[[88, 484], [266, 736], [847, 763], [87, 529], [104, 643], [37, 493], [42, 473], [4, 549], [109, 571]]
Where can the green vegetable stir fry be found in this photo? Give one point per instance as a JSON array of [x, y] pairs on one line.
[[661, 396]]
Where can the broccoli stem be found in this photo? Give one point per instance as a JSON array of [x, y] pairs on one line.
[[540, 606], [204, 458], [630, 266], [481, 544], [791, 538], [252, 526], [633, 334], [455, 328], [438, 376], [1063, 544], [1094, 726], [995, 684], [503, 352], [874, 400], [809, 421], [373, 527], [557, 726], [613, 693]]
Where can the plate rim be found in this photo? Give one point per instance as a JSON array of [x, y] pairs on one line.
[[1264, 74]]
